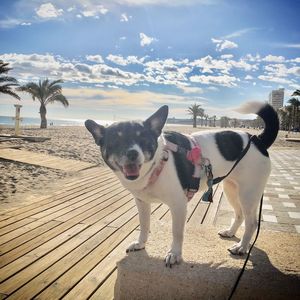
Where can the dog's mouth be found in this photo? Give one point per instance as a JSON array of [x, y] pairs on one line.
[[131, 171]]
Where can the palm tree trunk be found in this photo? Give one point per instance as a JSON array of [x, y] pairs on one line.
[[195, 121], [43, 113]]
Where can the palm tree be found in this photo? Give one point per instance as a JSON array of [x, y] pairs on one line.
[[195, 110], [206, 119], [214, 119], [45, 92], [295, 103], [7, 82]]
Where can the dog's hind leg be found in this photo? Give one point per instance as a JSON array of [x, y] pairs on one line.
[[144, 210], [231, 192], [249, 198]]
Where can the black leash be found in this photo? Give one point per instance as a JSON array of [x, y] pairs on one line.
[[249, 252]]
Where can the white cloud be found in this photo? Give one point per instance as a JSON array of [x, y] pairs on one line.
[[120, 60], [223, 44], [226, 56], [252, 58], [238, 33], [95, 58], [208, 64], [274, 79], [25, 24], [164, 2], [124, 18], [48, 10], [224, 80], [249, 77], [146, 40], [273, 58], [287, 45], [191, 89], [94, 11]]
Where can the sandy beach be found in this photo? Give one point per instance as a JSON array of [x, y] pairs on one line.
[[73, 142]]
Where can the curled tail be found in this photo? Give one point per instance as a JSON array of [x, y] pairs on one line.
[[269, 116]]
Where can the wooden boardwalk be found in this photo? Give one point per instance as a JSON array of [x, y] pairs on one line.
[[66, 244], [43, 160]]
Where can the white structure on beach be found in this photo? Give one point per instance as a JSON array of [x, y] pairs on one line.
[[276, 98]]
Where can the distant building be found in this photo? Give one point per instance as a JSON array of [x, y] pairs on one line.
[[276, 98]]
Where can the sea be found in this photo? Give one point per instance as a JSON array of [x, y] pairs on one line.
[[6, 121]]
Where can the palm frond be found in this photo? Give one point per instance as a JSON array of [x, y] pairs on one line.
[[4, 67], [296, 93], [58, 98], [8, 79], [8, 91]]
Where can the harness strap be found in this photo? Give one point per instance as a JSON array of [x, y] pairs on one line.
[[195, 157]]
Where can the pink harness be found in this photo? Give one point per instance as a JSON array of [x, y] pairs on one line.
[[194, 156]]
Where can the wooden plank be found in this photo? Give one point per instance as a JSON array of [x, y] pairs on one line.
[[159, 211], [66, 190], [198, 214], [192, 205], [213, 207], [13, 220], [105, 202], [66, 185], [21, 230], [83, 278], [106, 290], [43, 160], [22, 262], [50, 213], [53, 271], [27, 236], [85, 199], [108, 213]]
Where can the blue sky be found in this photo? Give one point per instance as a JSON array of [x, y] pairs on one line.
[[124, 58]]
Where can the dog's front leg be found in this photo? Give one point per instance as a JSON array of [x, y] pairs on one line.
[[144, 210], [178, 212]]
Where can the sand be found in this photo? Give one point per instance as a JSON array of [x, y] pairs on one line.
[[72, 142]]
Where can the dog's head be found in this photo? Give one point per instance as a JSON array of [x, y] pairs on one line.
[[128, 146]]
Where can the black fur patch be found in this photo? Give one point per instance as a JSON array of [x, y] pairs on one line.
[[230, 144], [184, 168]]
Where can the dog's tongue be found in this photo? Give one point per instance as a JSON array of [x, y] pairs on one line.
[[131, 170]]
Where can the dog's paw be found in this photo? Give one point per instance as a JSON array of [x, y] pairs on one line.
[[172, 259], [135, 246], [238, 249], [226, 233]]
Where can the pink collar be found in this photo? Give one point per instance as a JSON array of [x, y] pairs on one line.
[[194, 156]]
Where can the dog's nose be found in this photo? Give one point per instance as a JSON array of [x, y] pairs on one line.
[[132, 154]]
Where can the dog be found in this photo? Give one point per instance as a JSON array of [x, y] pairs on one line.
[[137, 153]]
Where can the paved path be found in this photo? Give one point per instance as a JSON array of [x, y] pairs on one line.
[[281, 208]]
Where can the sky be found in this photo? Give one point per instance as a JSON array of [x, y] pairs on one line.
[[123, 59]]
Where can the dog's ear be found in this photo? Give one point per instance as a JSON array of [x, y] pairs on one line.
[[96, 130], [157, 121]]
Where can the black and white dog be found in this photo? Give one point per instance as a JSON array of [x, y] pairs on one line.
[[137, 153]]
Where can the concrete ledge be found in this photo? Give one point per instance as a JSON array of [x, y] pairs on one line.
[[209, 271]]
